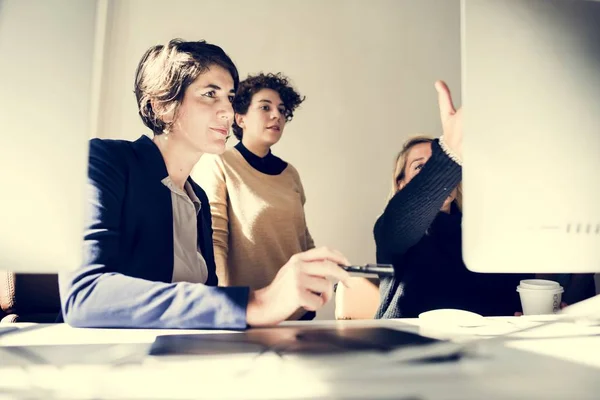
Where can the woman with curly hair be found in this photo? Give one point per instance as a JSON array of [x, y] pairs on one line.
[[256, 198]]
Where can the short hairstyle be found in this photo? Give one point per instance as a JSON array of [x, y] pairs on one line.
[[254, 84], [165, 72]]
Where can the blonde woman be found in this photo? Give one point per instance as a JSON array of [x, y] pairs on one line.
[[420, 233]]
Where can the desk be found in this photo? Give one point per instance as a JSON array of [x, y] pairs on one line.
[[561, 361]]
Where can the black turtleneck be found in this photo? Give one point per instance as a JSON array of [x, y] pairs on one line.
[[269, 164]]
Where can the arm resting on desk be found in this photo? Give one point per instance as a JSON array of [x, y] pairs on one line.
[[111, 300], [98, 295]]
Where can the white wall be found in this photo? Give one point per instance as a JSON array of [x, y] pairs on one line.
[[46, 72], [366, 67]]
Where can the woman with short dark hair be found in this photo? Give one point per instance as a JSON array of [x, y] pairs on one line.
[[148, 254]]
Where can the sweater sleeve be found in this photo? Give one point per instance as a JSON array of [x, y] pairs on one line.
[[210, 175], [310, 243], [412, 210], [98, 295]]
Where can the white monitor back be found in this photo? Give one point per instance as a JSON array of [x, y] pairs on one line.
[[46, 51], [531, 95]]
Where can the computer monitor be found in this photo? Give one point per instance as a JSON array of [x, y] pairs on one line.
[[46, 68], [531, 98]]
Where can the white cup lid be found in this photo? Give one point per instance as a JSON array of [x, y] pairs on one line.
[[539, 284], [538, 292]]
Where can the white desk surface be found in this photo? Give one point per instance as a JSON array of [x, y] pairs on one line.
[[560, 361]]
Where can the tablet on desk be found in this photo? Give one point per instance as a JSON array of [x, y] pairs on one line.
[[290, 340]]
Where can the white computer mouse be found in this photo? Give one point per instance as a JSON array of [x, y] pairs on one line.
[[452, 317]]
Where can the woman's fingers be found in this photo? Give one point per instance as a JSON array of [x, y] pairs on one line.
[[323, 253], [311, 301], [445, 100], [326, 269], [314, 284]]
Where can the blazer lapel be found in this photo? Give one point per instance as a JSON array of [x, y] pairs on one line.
[[204, 229]]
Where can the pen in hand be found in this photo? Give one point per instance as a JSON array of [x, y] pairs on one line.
[[370, 269]]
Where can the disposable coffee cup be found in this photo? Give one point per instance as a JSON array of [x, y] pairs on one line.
[[540, 296]]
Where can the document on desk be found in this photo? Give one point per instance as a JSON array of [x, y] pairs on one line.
[[527, 327]]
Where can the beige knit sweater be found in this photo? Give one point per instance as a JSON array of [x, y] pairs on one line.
[[258, 219]]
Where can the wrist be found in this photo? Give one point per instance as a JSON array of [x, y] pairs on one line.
[[448, 149], [254, 310]]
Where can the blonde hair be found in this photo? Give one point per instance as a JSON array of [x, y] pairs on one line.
[[400, 166]]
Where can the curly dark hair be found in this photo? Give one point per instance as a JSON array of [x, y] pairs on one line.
[[254, 84]]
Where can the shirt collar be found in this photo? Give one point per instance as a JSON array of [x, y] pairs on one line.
[[188, 192]]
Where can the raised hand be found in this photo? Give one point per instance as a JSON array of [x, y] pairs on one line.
[[451, 119]]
